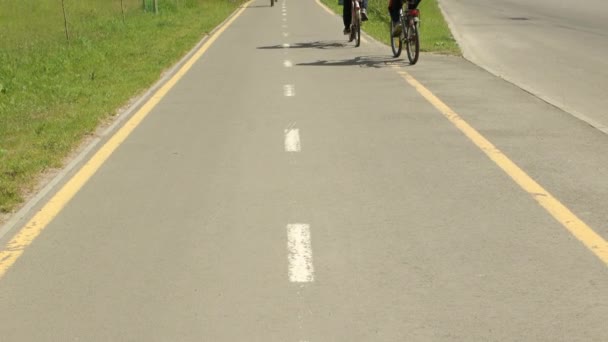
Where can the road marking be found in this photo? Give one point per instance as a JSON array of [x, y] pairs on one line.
[[289, 90], [292, 140], [299, 253], [593, 241], [285, 46], [284, 26], [284, 14], [287, 64], [32, 229]]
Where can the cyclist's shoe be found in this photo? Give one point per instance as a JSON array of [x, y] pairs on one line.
[[363, 14], [346, 31], [396, 29]]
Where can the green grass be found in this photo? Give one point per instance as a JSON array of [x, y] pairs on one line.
[[53, 92], [434, 31]]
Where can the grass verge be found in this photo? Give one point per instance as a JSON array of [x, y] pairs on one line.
[[54, 92], [434, 31]]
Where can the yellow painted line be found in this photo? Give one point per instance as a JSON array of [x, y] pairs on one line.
[[327, 9], [17, 245], [593, 241]]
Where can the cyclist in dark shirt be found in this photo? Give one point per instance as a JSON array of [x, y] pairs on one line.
[[347, 13], [394, 6]]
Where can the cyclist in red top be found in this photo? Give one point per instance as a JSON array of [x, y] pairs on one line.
[[394, 6]]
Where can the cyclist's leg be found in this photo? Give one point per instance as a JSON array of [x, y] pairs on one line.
[[393, 8], [364, 10], [346, 16]]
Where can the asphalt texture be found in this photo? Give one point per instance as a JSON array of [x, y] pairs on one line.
[[554, 49], [415, 235]]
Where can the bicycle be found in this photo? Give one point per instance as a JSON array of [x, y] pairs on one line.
[[410, 35], [355, 25], [271, 3]]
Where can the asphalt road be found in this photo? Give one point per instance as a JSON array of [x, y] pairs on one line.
[[555, 49], [290, 187]]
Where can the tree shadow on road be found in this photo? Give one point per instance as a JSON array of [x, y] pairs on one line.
[[362, 62], [308, 45]]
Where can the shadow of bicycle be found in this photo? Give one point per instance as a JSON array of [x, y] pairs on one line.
[[362, 62], [308, 45]]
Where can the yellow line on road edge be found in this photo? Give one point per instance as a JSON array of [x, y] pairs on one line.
[[327, 9], [16, 246], [560, 212]]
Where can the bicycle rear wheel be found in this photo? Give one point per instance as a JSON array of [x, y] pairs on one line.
[[396, 43], [356, 27], [412, 44]]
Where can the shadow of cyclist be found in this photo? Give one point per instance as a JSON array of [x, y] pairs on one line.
[[309, 45], [362, 62]]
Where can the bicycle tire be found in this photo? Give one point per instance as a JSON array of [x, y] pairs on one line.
[[412, 44], [271, 3], [356, 26], [358, 35], [396, 42]]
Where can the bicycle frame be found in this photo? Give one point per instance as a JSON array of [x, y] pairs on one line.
[[409, 18]]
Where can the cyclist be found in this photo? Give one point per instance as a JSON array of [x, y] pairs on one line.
[[393, 7], [347, 13]]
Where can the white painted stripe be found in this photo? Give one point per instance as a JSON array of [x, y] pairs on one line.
[[299, 253], [287, 63], [292, 140], [285, 34], [284, 26], [285, 46], [289, 90]]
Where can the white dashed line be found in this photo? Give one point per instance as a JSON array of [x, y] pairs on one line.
[[299, 253], [287, 63], [289, 90], [292, 140], [285, 46], [285, 34]]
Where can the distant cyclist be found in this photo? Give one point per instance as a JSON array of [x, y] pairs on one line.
[[347, 14], [394, 6]]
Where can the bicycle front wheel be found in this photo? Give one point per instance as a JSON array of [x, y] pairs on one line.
[[413, 44], [396, 43], [356, 28]]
